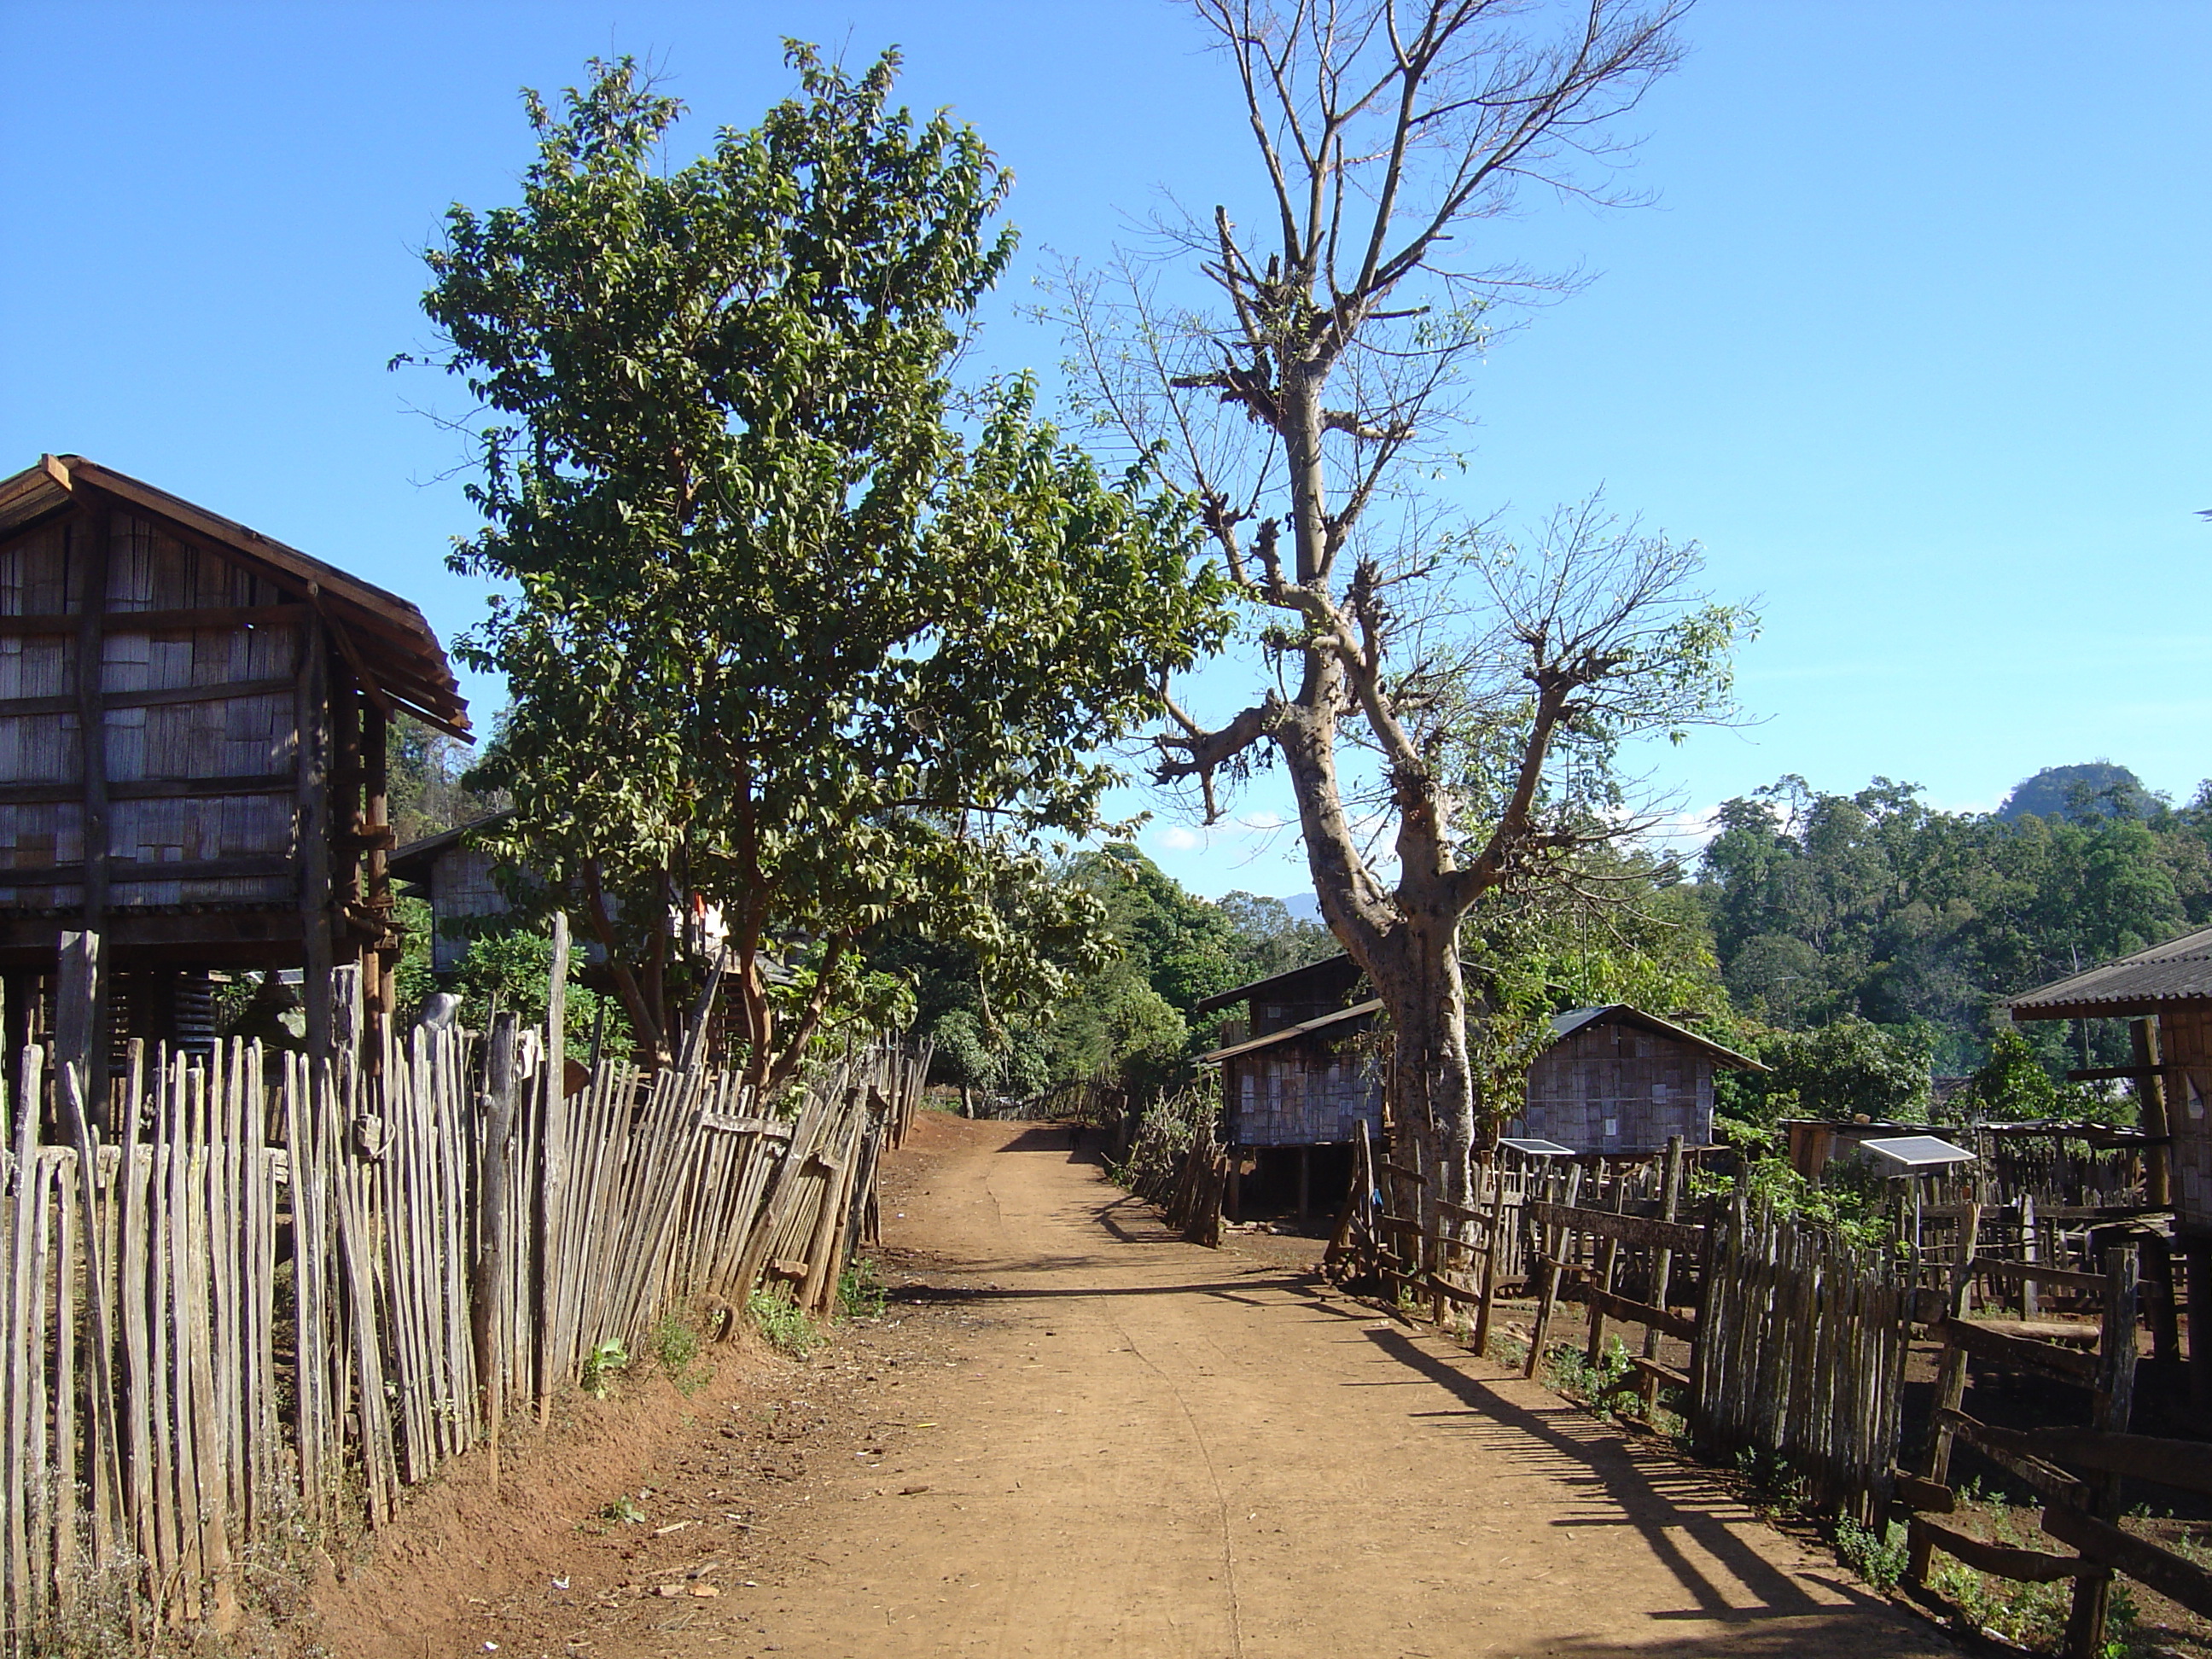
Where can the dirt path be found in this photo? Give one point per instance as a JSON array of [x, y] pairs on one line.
[[1145, 1448]]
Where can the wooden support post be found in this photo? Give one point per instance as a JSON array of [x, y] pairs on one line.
[[2115, 1402], [2150, 1105], [2197, 1257], [2030, 1250], [1236, 1204], [1489, 1270], [1548, 1298], [1662, 1267], [1608, 1257], [1306, 1181], [312, 835], [488, 1280], [2161, 1297]]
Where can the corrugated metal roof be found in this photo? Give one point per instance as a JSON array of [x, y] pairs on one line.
[[389, 635], [1357, 1009], [2179, 970]]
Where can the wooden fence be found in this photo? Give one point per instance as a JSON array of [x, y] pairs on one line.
[[285, 1291]]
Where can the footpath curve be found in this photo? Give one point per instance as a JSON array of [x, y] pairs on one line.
[[1151, 1448]]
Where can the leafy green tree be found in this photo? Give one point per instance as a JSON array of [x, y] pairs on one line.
[[797, 629], [1848, 1069]]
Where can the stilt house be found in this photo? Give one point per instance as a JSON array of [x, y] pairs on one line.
[[230, 812], [1618, 1080]]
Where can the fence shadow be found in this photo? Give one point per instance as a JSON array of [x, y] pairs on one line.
[[1664, 1501]]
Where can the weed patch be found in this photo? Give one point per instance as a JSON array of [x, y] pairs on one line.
[[862, 1290], [786, 1328]]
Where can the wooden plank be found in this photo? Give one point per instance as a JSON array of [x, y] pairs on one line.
[[1930, 1497], [152, 697], [2002, 1560], [2045, 1358], [91, 722], [2016, 1272], [157, 622], [1647, 1231], [124, 871], [1574, 1289], [2047, 1479], [2145, 1562], [2185, 1465], [1403, 1174]]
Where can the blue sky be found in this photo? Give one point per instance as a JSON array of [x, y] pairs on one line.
[[1915, 340]]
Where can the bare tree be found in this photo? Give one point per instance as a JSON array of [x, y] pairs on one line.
[[1424, 676]]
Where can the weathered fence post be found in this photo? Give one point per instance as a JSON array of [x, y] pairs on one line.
[[489, 1279], [552, 1166], [2114, 1405]]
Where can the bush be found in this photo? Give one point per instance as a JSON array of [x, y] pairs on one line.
[[861, 1290], [786, 1327], [675, 1345], [1878, 1557]]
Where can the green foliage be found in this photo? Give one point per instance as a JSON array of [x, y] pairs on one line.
[[1604, 1387], [795, 624], [1878, 1557], [676, 1348], [862, 1290], [1875, 905], [1855, 1211], [2097, 788], [788, 1328], [426, 795], [1848, 1069], [606, 1359]]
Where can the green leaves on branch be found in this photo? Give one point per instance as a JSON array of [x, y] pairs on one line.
[[798, 626]]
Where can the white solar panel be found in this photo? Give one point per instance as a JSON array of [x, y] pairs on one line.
[[1917, 1151]]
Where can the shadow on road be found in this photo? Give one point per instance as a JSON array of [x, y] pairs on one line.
[[1667, 1503]]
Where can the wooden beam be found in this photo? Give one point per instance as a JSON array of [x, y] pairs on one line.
[[1645, 1230], [2045, 1358], [2185, 1465], [152, 698], [1620, 1307], [2051, 1481], [160, 621], [2106, 1545], [2001, 1560], [124, 871], [2063, 1278], [90, 564], [20, 794]]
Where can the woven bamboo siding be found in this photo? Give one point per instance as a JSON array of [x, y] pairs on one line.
[[1292, 1097], [252, 735], [1613, 1088], [465, 889], [2185, 1038]]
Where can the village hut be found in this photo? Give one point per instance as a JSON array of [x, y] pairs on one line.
[[1616, 1081], [2165, 994], [232, 815], [1296, 1084]]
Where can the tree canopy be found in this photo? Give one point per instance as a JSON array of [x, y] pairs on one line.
[[802, 633]]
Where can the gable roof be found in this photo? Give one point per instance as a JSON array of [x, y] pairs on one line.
[[1340, 966], [1342, 1016], [2179, 970], [385, 640], [1566, 1025], [412, 862]]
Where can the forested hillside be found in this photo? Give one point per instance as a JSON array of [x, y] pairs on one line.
[[1872, 904]]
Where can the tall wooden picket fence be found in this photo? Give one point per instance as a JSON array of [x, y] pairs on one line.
[[1800, 1356], [272, 1306]]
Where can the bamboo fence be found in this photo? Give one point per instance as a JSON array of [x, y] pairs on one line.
[[281, 1293]]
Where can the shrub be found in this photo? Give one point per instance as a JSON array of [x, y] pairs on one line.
[[786, 1327], [1877, 1557]]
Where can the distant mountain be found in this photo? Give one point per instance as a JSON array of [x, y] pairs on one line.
[[2051, 792], [1304, 906]]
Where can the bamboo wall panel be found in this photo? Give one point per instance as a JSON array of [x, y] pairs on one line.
[[1613, 1088], [252, 735]]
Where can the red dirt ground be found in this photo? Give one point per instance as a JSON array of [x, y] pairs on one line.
[[1074, 1434]]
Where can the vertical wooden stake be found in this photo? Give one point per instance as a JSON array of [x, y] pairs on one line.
[[2115, 1403], [552, 1166], [488, 1280], [1663, 1267]]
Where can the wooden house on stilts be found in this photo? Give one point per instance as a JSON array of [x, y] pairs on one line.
[[194, 722]]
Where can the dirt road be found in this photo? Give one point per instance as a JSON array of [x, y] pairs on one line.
[[1152, 1449]]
